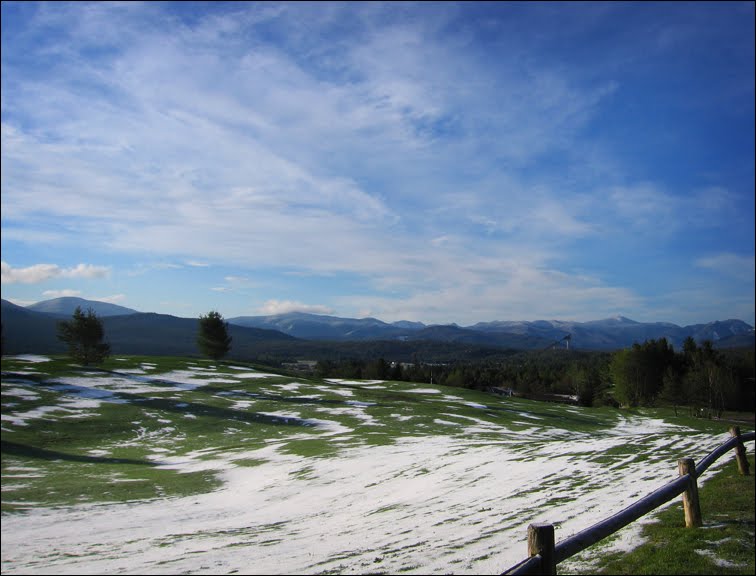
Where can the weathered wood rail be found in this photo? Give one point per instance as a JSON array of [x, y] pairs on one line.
[[544, 554]]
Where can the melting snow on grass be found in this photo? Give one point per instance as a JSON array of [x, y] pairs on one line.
[[454, 502], [424, 505]]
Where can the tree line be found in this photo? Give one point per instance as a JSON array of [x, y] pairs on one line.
[[700, 378], [704, 379], [577, 376]]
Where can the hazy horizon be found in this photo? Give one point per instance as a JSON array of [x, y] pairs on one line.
[[492, 320]]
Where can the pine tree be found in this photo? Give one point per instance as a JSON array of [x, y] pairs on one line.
[[84, 335], [213, 339]]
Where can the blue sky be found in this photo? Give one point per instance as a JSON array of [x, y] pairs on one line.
[[435, 162]]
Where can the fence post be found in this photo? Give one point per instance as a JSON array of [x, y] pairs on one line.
[[740, 453], [541, 541], [691, 505]]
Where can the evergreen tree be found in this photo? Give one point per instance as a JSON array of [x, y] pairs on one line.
[[83, 335], [624, 376], [396, 371], [213, 339], [673, 391], [585, 383], [711, 382], [377, 370], [638, 372]]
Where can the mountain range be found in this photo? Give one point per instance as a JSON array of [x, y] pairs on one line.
[[297, 334], [607, 334]]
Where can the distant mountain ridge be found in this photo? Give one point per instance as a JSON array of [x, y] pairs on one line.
[[66, 305], [606, 334], [129, 331], [28, 331]]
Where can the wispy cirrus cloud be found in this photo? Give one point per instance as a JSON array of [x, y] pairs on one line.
[[294, 124], [730, 265], [418, 150], [649, 206]]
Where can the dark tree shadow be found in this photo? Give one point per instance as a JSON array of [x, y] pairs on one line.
[[16, 449]]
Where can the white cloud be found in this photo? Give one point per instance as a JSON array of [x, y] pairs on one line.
[[237, 279], [642, 204], [269, 133], [200, 141], [30, 275], [517, 293], [61, 293], [85, 271], [43, 272], [142, 269], [272, 307], [112, 299], [20, 302], [730, 265]]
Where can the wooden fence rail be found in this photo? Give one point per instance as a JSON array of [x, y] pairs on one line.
[[545, 555]]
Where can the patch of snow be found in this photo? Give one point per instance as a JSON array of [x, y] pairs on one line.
[[339, 391], [290, 387], [402, 418], [41, 412], [189, 379], [365, 383], [531, 416], [26, 371], [474, 405], [242, 404], [33, 358], [722, 563], [24, 393], [425, 505], [251, 375]]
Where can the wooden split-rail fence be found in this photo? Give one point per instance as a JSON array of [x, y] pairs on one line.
[[544, 554]]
